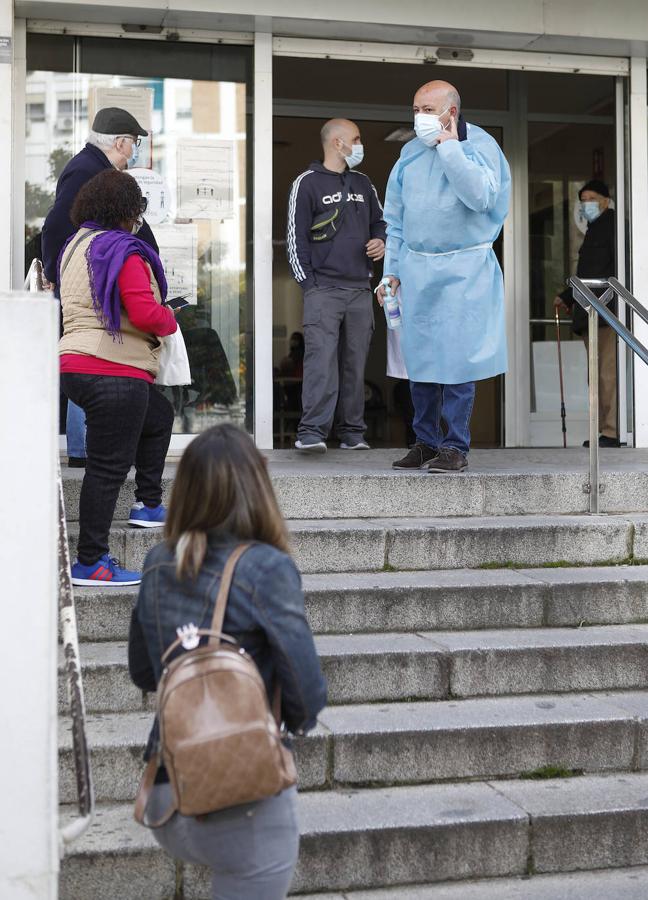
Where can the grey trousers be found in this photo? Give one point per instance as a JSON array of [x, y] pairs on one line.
[[338, 326], [251, 849]]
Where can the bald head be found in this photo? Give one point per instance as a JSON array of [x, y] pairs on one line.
[[339, 130], [437, 97]]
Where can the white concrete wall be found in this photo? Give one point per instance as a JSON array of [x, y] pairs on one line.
[[28, 562], [533, 19]]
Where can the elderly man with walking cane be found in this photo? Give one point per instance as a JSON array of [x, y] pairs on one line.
[[446, 201]]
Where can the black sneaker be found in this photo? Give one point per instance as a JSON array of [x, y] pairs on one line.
[[448, 459], [417, 458], [605, 441], [76, 462]]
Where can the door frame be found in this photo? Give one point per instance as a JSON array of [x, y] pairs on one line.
[[517, 380]]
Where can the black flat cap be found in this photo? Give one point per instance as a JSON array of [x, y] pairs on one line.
[[599, 187], [112, 120]]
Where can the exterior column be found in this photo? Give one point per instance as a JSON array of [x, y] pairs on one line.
[[262, 236], [639, 232]]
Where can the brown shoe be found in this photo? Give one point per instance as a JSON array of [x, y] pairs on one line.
[[448, 459], [417, 458]]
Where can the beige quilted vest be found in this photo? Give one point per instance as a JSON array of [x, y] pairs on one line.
[[83, 333]]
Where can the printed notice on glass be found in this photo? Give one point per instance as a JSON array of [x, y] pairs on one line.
[[156, 193], [205, 179], [179, 254], [137, 101]]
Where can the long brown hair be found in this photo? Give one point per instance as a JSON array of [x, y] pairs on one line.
[[222, 484]]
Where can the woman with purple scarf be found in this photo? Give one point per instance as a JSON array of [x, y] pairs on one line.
[[112, 294]]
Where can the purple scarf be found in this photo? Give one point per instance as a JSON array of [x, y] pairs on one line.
[[105, 256]]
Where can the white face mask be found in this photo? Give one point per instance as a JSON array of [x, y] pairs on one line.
[[357, 155], [137, 225], [428, 127]]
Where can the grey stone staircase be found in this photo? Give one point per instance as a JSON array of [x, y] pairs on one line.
[[470, 650]]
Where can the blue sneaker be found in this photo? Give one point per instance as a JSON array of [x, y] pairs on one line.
[[147, 516], [106, 571]]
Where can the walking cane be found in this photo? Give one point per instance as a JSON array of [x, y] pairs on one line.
[[562, 388]]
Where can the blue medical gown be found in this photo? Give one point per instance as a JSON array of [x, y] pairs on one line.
[[450, 197]]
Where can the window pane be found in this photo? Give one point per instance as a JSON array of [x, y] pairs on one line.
[[193, 169]]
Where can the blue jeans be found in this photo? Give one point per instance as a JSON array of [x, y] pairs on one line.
[[453, 402], [75, 429]]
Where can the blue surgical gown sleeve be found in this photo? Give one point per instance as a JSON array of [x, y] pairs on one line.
[[476, 178], [393, 214]]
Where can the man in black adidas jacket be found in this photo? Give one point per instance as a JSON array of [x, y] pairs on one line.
[[335, 232], [597, 259]]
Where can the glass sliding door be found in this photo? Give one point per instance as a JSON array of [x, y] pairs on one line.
[[195, 99], [571, 139]]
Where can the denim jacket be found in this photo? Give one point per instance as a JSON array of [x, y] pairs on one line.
[[265, 614]]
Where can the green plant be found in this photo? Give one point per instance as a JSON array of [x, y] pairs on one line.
[[551, 772]]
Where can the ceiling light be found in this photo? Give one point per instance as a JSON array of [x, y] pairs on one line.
[[401, 135]]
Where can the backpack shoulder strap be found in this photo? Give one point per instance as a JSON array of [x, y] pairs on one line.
[[224, 589]]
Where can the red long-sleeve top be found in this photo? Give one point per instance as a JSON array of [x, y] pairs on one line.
[[144, 313]]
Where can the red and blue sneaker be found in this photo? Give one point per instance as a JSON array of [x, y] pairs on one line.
[[105, 572], [147, 516]]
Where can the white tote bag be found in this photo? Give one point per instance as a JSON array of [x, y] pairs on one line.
[[174, 362], [34, 279]]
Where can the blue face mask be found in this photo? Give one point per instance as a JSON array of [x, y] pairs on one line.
[[356, 156], [591, 210], [132, 162]]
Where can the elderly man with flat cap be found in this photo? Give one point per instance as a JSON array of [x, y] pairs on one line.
[[597, 259], [112, 143], [447, 198]]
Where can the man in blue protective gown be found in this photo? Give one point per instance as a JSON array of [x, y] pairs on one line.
[[447, 198]]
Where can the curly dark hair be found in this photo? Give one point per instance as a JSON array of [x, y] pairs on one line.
[[110, 199]]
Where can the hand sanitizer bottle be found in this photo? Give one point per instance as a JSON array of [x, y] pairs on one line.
[[391, 306]]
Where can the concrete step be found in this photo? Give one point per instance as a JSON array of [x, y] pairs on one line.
[[357, 668], [364, 545], [446, 600], [503, 482], [624, 884], [117, 743], [366, 668], [363, 839], [405, 743]]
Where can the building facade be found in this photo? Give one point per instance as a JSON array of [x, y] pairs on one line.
[[234, 95]]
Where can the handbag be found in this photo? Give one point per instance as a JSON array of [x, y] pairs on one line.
[[174, 361], [327, 224], [220, 742], [34, 277]]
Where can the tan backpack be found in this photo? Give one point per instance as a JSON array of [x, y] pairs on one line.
[[220, 742]]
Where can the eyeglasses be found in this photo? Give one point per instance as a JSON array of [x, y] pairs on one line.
[[143, 204], [136, 140]]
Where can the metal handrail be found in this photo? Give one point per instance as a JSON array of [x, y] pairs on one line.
[[597, 307], [70, 636]]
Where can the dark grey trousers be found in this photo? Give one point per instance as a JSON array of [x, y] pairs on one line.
[[338, 326], [251, 849]]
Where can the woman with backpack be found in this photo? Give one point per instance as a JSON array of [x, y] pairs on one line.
[[222, 499]]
